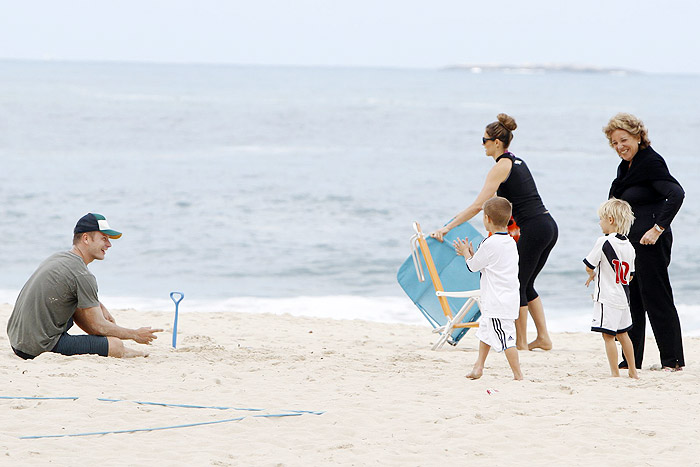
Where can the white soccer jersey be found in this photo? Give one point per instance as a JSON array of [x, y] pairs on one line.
[[497, 259], [613, 259]]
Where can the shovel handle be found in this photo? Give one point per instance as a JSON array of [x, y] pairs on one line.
[[177, 301]]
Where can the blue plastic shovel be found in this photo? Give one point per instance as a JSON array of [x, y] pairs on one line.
[[177, 303]]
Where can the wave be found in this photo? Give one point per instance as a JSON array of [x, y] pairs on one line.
[[377, 309]]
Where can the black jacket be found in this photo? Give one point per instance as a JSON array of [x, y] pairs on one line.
[[655, 196]]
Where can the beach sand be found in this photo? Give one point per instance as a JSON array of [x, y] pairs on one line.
[[387, 400]]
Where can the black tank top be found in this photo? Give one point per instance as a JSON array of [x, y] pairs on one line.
[[520, 189]]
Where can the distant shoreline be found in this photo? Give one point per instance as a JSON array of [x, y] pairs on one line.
[[474, 68], [532, 68]]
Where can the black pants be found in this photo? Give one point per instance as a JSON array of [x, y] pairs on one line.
[[650, 292], [538, 235]]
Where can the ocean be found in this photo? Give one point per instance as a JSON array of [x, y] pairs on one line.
[[293, 190]]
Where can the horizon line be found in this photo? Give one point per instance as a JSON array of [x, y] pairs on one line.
[[491, 67]]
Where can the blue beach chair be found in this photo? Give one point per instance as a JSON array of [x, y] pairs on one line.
[[451, 314]]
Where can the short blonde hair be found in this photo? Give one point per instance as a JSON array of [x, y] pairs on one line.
[[499, 210], [629, 123], [621, 212]]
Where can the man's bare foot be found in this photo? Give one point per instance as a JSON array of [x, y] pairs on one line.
[[476, 373], [540, 343], [522, 346], [130, 353], [633, 373]]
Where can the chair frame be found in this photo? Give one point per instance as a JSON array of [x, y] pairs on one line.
[[473, 296]]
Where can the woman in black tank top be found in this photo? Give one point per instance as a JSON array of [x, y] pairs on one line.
[[511, 179]]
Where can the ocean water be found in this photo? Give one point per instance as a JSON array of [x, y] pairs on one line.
[[294, 189]]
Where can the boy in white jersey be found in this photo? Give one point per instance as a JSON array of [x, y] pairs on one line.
[[497, 259], [613, 259]]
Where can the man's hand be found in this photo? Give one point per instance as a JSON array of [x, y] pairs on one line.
[[145, 335]]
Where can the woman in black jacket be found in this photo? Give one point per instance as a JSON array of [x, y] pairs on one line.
[[643, 180]]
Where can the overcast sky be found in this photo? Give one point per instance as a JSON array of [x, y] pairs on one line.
[[646, 35]]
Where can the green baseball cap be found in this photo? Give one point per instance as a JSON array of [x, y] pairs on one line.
[[92, 222]]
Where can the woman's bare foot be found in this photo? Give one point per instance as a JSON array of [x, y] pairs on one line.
[[633, 373], [540, 343]]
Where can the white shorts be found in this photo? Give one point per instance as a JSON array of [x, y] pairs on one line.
[[611, 319], [498, 333]]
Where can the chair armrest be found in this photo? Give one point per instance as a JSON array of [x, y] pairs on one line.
[[465, 294]]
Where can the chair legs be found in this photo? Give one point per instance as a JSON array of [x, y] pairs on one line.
[[446, 330]]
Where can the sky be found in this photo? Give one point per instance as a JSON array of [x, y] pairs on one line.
[[644, 35]]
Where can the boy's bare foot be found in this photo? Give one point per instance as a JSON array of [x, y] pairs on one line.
[[476, 373], [540, 343]]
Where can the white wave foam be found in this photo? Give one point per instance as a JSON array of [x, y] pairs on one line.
[[377, 309]]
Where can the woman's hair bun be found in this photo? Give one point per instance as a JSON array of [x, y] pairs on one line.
[[507, 121]]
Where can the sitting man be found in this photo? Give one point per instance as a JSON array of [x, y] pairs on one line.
[[63, 291]]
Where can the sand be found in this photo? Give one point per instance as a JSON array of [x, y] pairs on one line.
[[386, 398]]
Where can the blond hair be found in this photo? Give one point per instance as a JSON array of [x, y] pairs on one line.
[[502, 129], [499, 210], [629, 123], [620, 211]]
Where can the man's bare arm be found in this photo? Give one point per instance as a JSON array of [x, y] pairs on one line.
[[93, 321]]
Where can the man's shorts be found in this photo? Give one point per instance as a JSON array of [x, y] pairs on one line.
[[81, 345], [611, 319], [498, 333]]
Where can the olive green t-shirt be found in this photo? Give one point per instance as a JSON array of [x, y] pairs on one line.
[[48, 301]]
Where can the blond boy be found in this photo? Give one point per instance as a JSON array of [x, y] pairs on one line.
[[497, 259], [610, 265]]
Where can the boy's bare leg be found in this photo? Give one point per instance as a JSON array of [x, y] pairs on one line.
[[514, 362], [521, 329], [537, 312], [478, 369], [611, 352], [628, 352]]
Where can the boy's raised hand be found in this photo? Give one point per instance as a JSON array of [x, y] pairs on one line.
[[464, 247]]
